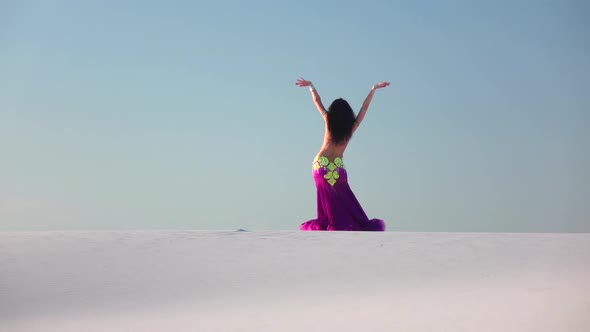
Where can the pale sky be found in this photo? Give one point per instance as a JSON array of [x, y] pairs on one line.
[[185, 114]]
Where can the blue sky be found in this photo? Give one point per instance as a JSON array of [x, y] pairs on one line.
[[185, 114]]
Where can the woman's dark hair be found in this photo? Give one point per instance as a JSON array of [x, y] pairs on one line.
[[341, 120]]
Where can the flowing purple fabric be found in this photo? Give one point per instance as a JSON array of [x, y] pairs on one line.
[[337, 207]]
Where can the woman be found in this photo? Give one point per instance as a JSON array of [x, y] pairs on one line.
[[337, 207]]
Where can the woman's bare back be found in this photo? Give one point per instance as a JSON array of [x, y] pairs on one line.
[[330, 149]]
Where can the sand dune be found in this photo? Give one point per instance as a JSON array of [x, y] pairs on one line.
[[293, 281]]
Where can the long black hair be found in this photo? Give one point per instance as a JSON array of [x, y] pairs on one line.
[[341, 121]]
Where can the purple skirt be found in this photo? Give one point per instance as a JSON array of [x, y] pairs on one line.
[[337, 207]]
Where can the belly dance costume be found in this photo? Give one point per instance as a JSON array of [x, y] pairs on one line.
[[337, 207]]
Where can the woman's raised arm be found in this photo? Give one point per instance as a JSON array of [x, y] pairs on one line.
[[315, 95], [366, 103]]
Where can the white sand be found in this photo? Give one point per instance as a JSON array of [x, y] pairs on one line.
[[293, 281]]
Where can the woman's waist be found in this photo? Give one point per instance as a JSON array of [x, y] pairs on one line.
[[328, 162], [330, 170]]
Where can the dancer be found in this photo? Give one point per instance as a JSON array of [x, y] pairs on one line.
[[337, 207]]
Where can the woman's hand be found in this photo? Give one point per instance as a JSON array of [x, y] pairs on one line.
[[380, 85], [303, 83]]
